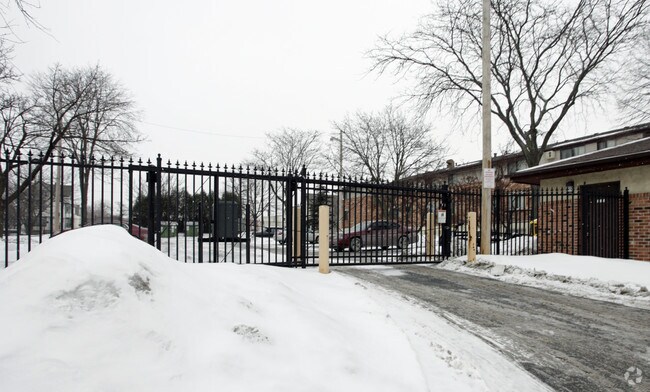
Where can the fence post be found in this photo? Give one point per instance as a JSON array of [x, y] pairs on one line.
[[471, 236], [130, 199], [446, 227], [297, 232], [58, 197], [303, 217], [626, 224], [583, 221], [158, 223], [288, 216], [200, 239], [151, 189], [323, 239], [248, 230], [497, 220], [5, 207], [430, 234]]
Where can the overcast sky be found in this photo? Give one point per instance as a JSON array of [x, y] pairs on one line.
[[212, 77]]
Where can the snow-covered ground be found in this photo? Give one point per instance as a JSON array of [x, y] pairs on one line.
[[618, 280], [97, 310]]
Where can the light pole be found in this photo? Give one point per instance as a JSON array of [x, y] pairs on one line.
[[486, 195], [341, 195]]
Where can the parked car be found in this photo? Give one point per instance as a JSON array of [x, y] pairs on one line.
[[312, 236], [382, 234], [267, 232], [140, 232]]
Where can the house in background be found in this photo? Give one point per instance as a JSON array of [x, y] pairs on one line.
[[41, 219], [468, 175], [560, 222], [599, 176]]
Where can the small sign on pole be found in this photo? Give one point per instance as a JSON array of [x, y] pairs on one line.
[[489, 178], [442, 216]]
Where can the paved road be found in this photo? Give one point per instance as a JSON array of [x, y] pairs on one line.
[[570, 343]]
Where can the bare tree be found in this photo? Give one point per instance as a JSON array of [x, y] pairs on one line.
[[546, 55], [106, 125], [364, 144], [290, 149], [388, 144], [411, 145], [24, 8], [255, 195], [635, 101], [39, 122]]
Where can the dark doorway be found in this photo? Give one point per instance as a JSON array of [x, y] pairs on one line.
[[602, 219]]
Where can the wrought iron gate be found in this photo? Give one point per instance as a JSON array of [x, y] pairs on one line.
[[251, 215], [205, 214]]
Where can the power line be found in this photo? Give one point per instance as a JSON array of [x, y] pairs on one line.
[[200, 131]]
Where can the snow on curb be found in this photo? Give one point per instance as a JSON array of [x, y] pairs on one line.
[[629, 293]]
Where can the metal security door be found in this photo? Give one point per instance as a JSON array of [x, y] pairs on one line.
[[602, 220]]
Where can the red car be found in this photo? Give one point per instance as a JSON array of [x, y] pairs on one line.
[[377, 234], [139, 232]]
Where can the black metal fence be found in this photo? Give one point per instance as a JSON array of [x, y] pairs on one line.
[[534, 221], [203, 213]]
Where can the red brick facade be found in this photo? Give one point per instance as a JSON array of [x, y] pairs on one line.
[[558, 228], [640, 226], [558, 223]]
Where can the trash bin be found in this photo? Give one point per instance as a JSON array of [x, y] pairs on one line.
[[169, 229], [191, 229]]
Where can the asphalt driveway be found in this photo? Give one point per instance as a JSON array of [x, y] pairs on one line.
[[570, 343]]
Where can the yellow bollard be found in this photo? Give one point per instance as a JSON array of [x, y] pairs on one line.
[[471, 236], [324, 239]]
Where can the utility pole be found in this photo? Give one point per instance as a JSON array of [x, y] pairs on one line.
[[486, 195], [341, 194]]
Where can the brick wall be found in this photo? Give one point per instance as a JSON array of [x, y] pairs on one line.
[[559, 228], [640, 226], [558, 225]]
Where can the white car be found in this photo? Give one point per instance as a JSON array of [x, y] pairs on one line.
[[312, 237]]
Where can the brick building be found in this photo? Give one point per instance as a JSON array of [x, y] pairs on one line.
[[607, 172]]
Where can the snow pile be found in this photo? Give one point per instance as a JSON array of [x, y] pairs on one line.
[[96, 310], [522, 245], [594, 277]]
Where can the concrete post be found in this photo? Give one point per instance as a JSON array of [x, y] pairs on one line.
[[471, 236], [323, 239]]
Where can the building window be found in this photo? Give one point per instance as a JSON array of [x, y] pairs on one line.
[[517, 202], [513, 167], [571, 152], [606, 144]]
